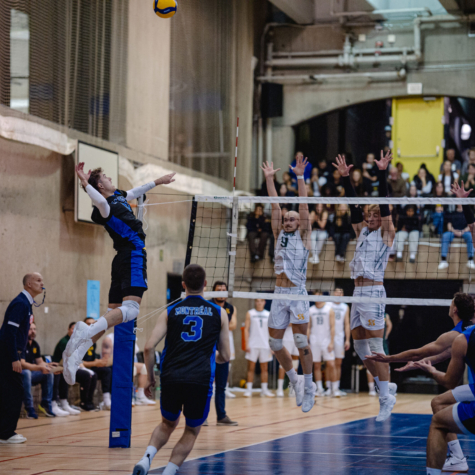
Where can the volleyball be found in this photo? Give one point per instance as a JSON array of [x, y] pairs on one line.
[[165, 8]]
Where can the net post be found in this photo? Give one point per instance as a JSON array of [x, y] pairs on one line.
[[191, 234], [233, 245]]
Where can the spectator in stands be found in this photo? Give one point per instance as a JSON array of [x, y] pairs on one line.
[[101, 367], [308, 169], [409, 226], [429, 175], [289, 182], [423, 184], [336, 184], [370, 174], [358, 183], [455, 164], [263, 190], [317, 181], [448, 176], [324, 170], [456, 227], [319, 235], [342, 231], [471, 160], [87, 383], [437, 211], [400, 168], [257, 229], [35, 371], [397, 184], [469, 178]]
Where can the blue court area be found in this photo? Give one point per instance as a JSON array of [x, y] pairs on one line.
[[363, 447]]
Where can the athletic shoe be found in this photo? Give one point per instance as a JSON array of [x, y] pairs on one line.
[[309, 398], [314, 260], [328, 393], [267, 393], [57, 411], [79, 336], [386, 405], [47, 410], [229, 394], [142, 467], [205, 423], [226, 422], [144, 401], [412, 260], [372, 393], [280, 393], [454, 464], [67, 408], [443, 265], [320, 393], [107, 407], [471, 264], [247, 393], [88, 407], [14, 439], [291, 391], [338, 393], [70, 366], [298, 388], [342, 393], [31, 413]]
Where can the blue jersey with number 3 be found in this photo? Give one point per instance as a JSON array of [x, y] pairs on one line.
[[194, 326]]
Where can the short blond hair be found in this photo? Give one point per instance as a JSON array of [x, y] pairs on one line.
[[374, 208]]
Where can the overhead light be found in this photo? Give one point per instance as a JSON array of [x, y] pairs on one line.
[[466, 132]]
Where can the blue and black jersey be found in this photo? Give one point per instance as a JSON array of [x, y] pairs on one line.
[[189, 356], [470, 356], [123, 227], [462, 326]]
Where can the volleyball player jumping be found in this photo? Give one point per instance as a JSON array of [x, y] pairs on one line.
[[375, 238], [129, 267]]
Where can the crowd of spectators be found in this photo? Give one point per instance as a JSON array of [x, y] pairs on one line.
[[332, 222]]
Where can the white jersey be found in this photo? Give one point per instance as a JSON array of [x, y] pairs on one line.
[[291, 257], [259, 331], [340, 310], [320, 328], [371, 256]]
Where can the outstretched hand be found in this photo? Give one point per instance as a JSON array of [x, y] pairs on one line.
[[166, 179], [425, 366], [83, 176], [300, 166], [460, 191], [385, 160], [341, 166], [408, 367], [380, 357], [268, 169]]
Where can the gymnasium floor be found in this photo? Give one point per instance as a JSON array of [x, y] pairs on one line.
[[339, 436]]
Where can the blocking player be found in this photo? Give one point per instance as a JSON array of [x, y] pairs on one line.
[[375, 238], [257, 346], [194, 329], [289, 344], [292, 246], [129, 267], [342, 336], [322, 335]]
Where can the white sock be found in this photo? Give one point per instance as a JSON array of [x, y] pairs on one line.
[[106, 397], [150, 452], [170, 469], [319, 386], [371, 386], [308, 380], [376, 381], [64, 403], [335, 386], [383, 388], [454, 447], [249, 386], [328, 384], [292, 374], [263, 387], [280, 384], [140, 392], [98, 327], [430, 471]]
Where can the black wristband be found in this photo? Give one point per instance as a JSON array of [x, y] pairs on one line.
[[468, 213]]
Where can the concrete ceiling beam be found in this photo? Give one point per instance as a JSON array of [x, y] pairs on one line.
[[301, 11]]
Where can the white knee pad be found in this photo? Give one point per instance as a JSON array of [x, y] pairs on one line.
[[362, 348], [376, 345], [275, 344], [300, 340], [130, 310]]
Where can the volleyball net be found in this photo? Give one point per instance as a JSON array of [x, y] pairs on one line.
[[232, 239]]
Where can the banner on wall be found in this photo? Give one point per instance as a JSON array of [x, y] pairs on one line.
[[93, 298]]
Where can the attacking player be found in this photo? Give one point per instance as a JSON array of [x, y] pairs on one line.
[[292, 246], [129, 267], [375, 239], [342, 336], [194, 329]]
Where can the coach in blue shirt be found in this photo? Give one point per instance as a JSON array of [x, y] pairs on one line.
[[13, 340]]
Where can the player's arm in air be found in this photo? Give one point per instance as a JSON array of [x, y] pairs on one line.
[[134, 193], [305, 224], [387, 225], [332, 331], [357, 220], [276, 218], [233, 322], [224, 350], [97, 199], [158, 334], [434, 348], [347, 329], [247, 326], [460, 192], [450, 379]]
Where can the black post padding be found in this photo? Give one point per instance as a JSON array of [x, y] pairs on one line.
[[191, 234]]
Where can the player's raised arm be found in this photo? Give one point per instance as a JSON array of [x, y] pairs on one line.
[[141, 190], [276, 219], [157, 335], [356, 213], [305, 224], [223, 343], [387, 225], [97, 199]]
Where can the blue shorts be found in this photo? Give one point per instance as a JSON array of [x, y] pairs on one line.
[[464, 416], [193, 399]]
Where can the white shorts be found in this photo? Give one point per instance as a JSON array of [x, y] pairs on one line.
[[283, 312], [262, 354], [291, 348], [368, 315], [463, 393], [339, 349], [320, 352]]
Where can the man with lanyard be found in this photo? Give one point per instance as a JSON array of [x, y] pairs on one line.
[[222, 370], [129, 267], [13, 340]]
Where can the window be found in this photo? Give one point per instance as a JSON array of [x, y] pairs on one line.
[[19, 61]]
